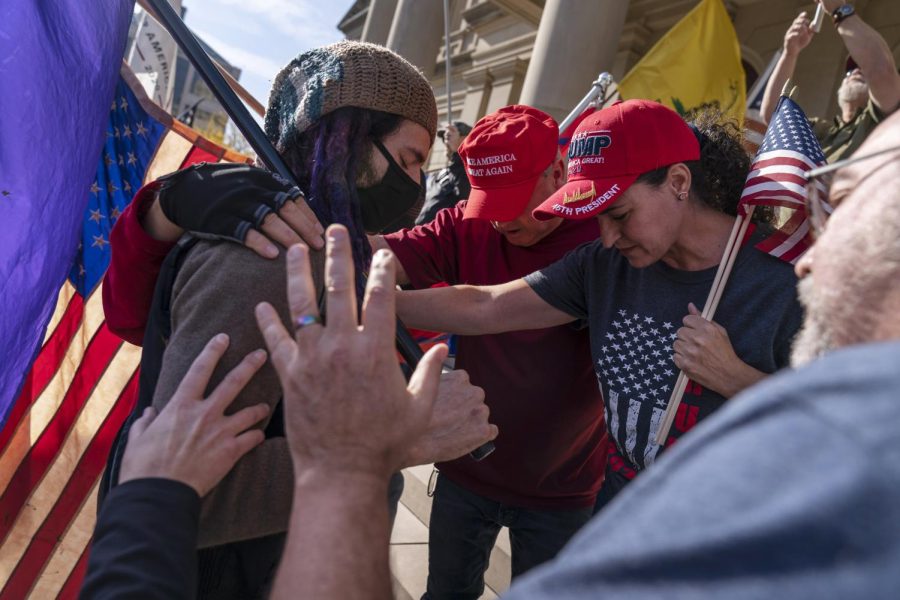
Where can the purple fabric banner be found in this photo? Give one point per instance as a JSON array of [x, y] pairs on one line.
[[59, 62]]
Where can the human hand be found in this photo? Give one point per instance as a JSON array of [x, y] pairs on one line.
[[798, 35], [459, 422], [191, 440], [347, 406], [236, 202], [704, 352]]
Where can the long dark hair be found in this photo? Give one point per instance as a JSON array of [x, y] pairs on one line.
[[718, 178], [328, 159]]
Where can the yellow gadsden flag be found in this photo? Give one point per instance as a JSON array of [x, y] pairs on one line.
[[696, 64]]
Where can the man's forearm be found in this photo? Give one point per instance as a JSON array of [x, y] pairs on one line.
[[872, 54], [338, 540], [784, 70], [460, 309]]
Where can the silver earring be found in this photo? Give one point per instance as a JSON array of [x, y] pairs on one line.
[[682, 196]]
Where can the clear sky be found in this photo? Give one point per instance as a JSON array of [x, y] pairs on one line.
[[261, 36]]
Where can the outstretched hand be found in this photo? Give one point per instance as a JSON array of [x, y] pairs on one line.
[[347, 406], [192, 440], [799, 34]]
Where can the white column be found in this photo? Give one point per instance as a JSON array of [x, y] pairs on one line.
[[418, 32], [378, 21], [576, 40]]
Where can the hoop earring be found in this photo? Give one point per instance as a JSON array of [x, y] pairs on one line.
[[682, 196]]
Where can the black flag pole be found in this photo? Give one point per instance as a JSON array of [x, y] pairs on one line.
[[253, 133]]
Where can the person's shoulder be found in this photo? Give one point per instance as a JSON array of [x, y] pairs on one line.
[[231, 268], [852, 388]]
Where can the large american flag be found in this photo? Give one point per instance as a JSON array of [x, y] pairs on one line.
[[776, 178], [56, 436]]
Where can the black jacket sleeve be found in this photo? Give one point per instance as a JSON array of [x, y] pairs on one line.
[[445, 190], [145, 543]]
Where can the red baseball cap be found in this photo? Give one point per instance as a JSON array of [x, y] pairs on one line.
[[611, 149], [504, 155]]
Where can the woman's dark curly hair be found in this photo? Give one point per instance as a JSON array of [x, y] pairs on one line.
[[718, 178], [328, 158]]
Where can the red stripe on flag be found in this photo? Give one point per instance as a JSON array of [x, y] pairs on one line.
[[796, 251], [97, 357], [782, 161], [45, 366], [772, 242], [783, 234], [779, 176], [198, 154], [72, 586], [772, 198], [72, 497]]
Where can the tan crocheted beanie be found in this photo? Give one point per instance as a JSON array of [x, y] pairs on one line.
[[347, 73]]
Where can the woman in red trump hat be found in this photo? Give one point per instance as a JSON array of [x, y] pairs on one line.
[[665, 196]]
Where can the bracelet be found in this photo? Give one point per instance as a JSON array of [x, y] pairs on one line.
[[842, 12]]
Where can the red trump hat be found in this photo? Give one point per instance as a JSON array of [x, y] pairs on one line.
[[611, 149], [504, 155]]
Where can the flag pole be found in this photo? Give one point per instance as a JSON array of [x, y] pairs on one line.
[[253, 133], [738, 232], [233, 83], [598, 90], [447, 59]]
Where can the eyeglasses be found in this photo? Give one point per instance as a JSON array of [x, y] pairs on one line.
[[818, 184]]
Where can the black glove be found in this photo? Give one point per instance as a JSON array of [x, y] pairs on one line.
[[223, 200]]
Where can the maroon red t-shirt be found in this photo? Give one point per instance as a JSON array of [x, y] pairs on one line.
[[540, 385]]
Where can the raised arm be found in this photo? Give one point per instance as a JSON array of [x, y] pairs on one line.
[[476, 310], [797, 37], [873, 56]]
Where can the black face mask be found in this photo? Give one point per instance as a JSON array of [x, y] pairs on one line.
[[386, 201]]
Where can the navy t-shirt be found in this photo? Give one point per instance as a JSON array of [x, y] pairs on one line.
[[633, 315], [792, 490]]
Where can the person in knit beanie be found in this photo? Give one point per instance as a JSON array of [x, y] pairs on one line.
[[355, 123], [349, 93]]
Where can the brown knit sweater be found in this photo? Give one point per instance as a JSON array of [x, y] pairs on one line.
[[216, 291]]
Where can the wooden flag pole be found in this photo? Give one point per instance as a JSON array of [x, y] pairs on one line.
[[738, 231], [710, 310]]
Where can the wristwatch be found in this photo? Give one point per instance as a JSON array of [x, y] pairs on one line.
[[842, 12]]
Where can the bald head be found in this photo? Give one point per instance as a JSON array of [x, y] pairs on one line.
[[851, 285]]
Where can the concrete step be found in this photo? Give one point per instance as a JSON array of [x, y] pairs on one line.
[[409, 543]]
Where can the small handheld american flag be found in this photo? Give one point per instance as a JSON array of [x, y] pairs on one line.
[[776, 178]]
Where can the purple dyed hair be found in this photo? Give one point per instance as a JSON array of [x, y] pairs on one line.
[[327, 160]]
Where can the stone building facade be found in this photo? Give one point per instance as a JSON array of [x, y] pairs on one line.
[[546, 53]]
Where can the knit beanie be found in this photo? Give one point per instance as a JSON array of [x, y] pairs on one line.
[[347, 73]]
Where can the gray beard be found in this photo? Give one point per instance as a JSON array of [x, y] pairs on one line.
[[855, 93], [816, 336]]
